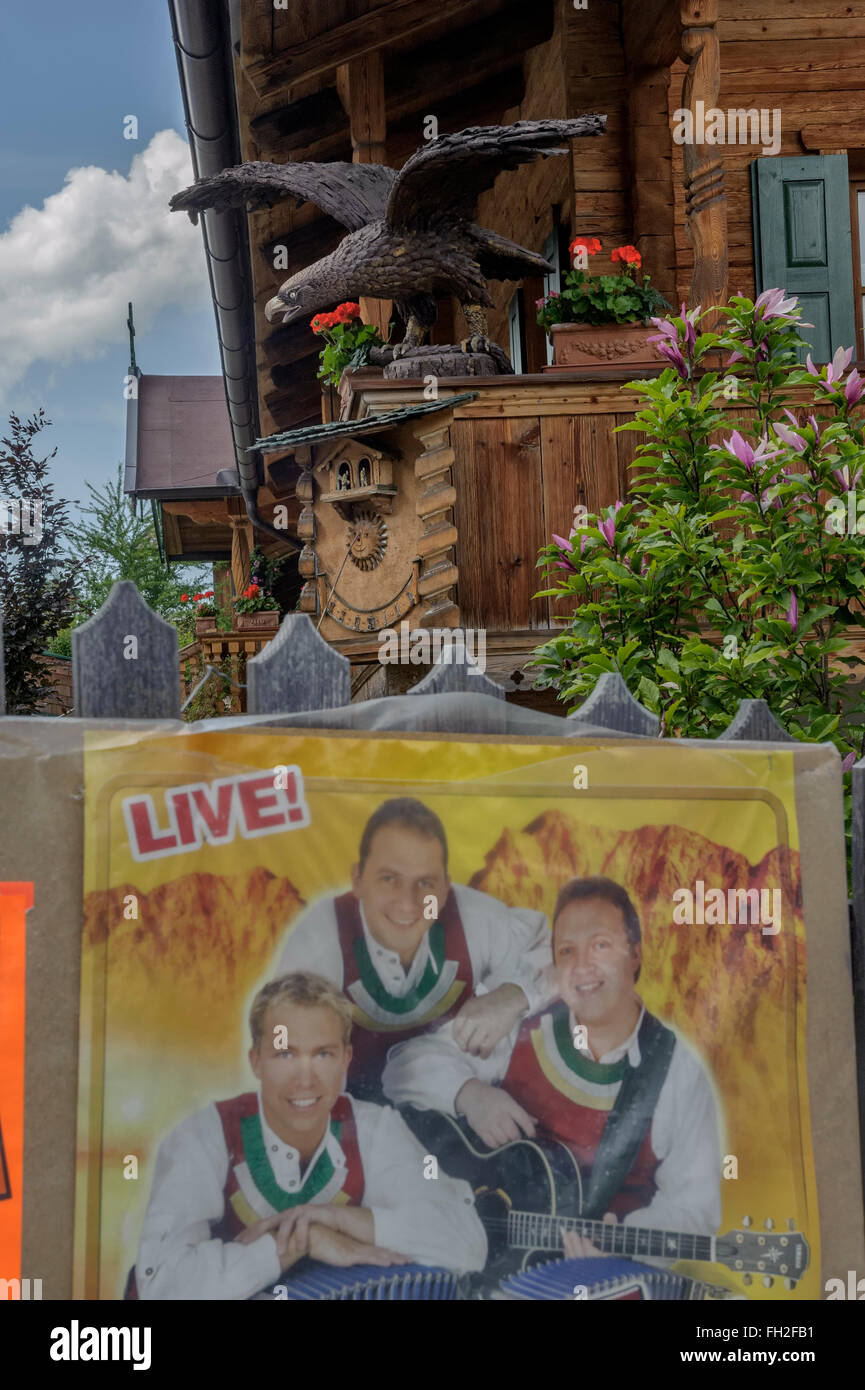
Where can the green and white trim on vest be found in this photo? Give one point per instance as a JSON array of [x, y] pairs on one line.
[[583, 1081], [435, 992]]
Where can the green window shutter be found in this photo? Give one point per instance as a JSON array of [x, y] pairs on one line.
[[802, 243]]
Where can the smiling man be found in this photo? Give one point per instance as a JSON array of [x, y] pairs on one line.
[[245, 1188], [595, 1071], [411, 949]]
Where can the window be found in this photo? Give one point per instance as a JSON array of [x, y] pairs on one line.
[[517, 327], [553, 281]]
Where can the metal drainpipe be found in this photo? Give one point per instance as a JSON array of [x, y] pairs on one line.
[[208, 103]]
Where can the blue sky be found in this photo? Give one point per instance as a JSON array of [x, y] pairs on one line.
[[69, 74]]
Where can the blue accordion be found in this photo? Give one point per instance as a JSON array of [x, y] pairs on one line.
[[313, 1282], [604, 1278]]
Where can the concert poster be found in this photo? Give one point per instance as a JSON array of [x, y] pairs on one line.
[[210, 858]]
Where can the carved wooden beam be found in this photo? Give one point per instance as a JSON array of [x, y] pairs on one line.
[[365, 33], [650, 31], [437, 586], [360, 84], [241, 543], [705, 198]]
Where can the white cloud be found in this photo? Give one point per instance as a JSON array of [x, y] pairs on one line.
[[68, 269]]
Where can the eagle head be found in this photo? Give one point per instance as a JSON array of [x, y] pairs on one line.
[[304, 294]]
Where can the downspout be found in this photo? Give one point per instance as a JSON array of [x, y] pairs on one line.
[[204, 64]]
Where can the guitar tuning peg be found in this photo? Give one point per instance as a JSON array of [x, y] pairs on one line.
[[789, 1284], [746, 1221], [769, 1224], [768, 1281], [746, 1279], [791, 1224]]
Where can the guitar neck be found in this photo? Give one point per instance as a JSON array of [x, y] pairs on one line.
[[529, 1230]]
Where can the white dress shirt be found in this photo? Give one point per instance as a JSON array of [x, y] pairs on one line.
[[430, 1070], [429, 1220], [506, 945]]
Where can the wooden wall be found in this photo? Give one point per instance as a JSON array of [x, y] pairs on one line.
[[806, 59]]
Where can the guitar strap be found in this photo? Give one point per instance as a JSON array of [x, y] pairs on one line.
[[629, 1120]]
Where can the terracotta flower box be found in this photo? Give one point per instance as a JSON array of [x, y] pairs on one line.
[[604, 347], [204, 626], [266, 620]]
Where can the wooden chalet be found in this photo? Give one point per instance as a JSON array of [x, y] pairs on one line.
[[457, 499]]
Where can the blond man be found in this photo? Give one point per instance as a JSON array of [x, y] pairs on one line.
[[246, 1187]]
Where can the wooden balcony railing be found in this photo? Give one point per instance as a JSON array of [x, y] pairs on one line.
[[226, 654]]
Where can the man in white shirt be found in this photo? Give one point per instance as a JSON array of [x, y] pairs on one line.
[[411, 949], [247, 1187], [559, 1075]]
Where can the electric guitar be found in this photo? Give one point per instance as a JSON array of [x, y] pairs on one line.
[[529, 1192]]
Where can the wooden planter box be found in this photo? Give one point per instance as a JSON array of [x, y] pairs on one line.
[[205, 626], [265, 621], [604, 347]]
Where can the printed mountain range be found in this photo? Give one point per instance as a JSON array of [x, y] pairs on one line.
[[202, 942]]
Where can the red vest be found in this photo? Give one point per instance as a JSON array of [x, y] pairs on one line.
[[577, 1126], [370, 1045], [232, 1113]]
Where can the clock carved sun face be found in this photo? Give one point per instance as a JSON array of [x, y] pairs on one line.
[[369, 543]]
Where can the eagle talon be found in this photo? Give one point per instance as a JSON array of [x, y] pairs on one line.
[[476, 343]]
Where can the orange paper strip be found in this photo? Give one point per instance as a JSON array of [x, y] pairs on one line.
[[15, 899]]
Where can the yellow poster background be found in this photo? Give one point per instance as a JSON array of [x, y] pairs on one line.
[[175, 948]]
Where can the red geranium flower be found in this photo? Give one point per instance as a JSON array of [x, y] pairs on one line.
[[184, 597], [589, 244], [629, 254]]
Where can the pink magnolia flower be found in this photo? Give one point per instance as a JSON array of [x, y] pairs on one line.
[[743, 451], [848, 762], [795, 441], [771, 304], [792, 614], [608, 526], [854, 388], [842, 477], [834, 369], [564, 563]]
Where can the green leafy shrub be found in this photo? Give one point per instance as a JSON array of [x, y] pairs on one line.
[[730, 572]]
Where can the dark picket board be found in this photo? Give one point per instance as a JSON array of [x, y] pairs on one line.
[[109, 685], [755, 721], [449, 677], [612, 706], [297, 671]]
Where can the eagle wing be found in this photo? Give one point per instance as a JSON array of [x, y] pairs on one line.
[[446, 177], [353, 194]]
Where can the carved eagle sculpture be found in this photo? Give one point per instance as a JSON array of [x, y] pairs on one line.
[[411, 230]]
